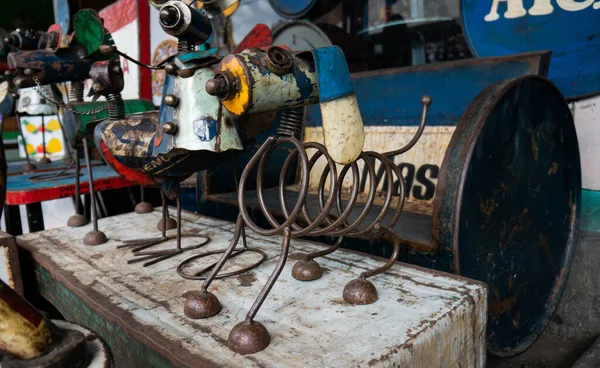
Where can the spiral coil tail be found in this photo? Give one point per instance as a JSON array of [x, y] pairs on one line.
[[116, 106], [76, 91], [291, 123]]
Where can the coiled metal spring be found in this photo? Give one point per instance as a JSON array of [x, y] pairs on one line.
[[333, 218], [291, 123], [116, 107]]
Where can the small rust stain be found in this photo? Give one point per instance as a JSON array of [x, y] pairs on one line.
[[296, 256], [497, 307], [553, 169], [488, 206], [97, 256], [544, 242], [338, 302], [534, 149], [510, 282], [246, 279], [504, 187]]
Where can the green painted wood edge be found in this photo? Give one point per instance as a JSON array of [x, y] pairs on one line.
[[590, 211], [127, 351]]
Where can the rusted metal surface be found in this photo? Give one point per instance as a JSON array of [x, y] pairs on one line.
[[422, 317], [10, 267], [508, 203]]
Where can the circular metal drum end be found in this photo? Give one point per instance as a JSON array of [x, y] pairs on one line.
[[307, 270], [508, 203], [94, 238], [248, 337], [143, 207], [77, 220], [360, 292], [199, 304], [44, 161], [171, 224], [29, 167]]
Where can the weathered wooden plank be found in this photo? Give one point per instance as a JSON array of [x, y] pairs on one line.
[[423, 318], [10, 268]]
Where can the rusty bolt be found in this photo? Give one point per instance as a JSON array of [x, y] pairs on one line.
[[278, 60], [171, 69], [169, 128], [222, 86], [116, 69], [426, 100], [171, 100]]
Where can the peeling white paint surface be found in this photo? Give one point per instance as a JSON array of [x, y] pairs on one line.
[[422, 318], [586, 113], [5, 271], [420, 165], [196, 105]]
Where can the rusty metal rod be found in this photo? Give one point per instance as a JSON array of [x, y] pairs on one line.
[[91, 183], [285, 248]]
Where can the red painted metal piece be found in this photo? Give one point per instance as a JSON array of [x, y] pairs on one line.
[[28, 196], [136, 176], [259, 36]]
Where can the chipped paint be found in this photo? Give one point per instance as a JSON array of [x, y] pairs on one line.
[[422, 318], [200, 118], [343, 131], [261, 90], [420, 166], [6, 273], [31, 103]]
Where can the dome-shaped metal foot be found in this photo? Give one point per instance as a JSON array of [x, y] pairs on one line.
[[76, 220], [94, 238], [360, 292], [171, 224], [44, 161], [306, 270], [199, 304], [248, 337], [143, 207], [29, 167]]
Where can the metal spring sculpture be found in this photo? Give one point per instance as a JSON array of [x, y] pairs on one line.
[[250, 336]]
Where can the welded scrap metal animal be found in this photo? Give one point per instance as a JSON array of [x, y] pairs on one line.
[[70, 59], [256, 81], [191, 133]]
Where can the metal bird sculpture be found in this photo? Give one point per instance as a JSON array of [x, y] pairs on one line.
[[70, 59], [192, 131]]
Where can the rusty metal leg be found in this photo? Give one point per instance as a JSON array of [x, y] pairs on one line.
[[94, 237], [28, 167], [44, 160], [250, 337], [204, 304], [362, 291], [143, 206], [167, 219], [308, 269], [153, 257], [77, 219]]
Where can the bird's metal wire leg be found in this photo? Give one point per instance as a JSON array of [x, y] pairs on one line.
[[161, 255], [94, 237], [249, 336]]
